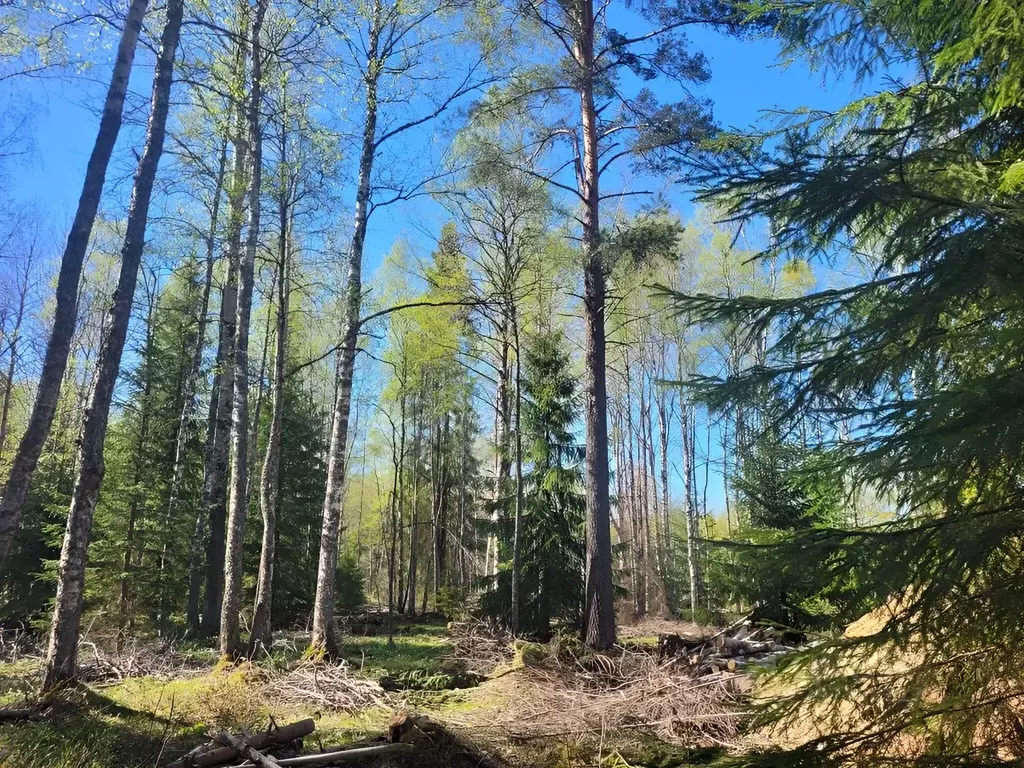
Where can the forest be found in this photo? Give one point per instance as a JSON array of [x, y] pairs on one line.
[[511, 383]]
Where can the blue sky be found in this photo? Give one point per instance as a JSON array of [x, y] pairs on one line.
[[746, 82]]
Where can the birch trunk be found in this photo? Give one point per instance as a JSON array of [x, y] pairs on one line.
[[270, 477], [190, 400], [324, 639], [692, 527], [413, 528], [215, 461], [66, 308], [663, 436], [237, 506], [67, 612], [190, 405]]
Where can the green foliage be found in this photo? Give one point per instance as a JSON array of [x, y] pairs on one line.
[[453, 602], [349, 584], [912, 371], [140, 546], [551, 549]]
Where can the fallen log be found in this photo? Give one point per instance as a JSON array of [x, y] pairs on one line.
[[28, 713], [244, 750], [338, 756], [223, 755]]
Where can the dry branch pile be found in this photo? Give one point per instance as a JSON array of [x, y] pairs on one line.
[[730, 650], [97, 665], [479, 646], [578, 692], [327, 686]]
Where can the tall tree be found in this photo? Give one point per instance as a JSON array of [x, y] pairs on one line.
[[63, 645], [59, 345], [394, 43], [587, 109], [216, 464], [285, 194], [238, 499]]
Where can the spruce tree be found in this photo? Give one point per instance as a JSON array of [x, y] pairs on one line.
[[552, 532], [922, 181]]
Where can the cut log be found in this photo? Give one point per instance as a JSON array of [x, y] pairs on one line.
[[244, 750], [7, 715], [223, 755]]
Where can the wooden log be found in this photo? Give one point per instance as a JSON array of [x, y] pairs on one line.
[[8, 715], [338, 756], [244, 750], [223, 755]]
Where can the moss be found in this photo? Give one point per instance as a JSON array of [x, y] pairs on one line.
[[85, 729], [423, 651], [641, 643]]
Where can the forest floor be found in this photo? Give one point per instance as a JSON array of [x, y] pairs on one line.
[[514, 704]]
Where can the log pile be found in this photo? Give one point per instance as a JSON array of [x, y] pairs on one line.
[[730, 651], [277, 747]]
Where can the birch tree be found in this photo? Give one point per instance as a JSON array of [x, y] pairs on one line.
[[63, 642], [59, 345], [394, 49], [238, 499]]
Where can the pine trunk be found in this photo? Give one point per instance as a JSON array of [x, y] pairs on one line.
[[600, 609]]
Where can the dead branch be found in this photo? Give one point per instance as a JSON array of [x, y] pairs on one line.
[[329, 686], [209, 755], [339, 756]]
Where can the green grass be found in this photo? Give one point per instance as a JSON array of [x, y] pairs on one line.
[[147, 721], [418, 647], [89, 730]]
